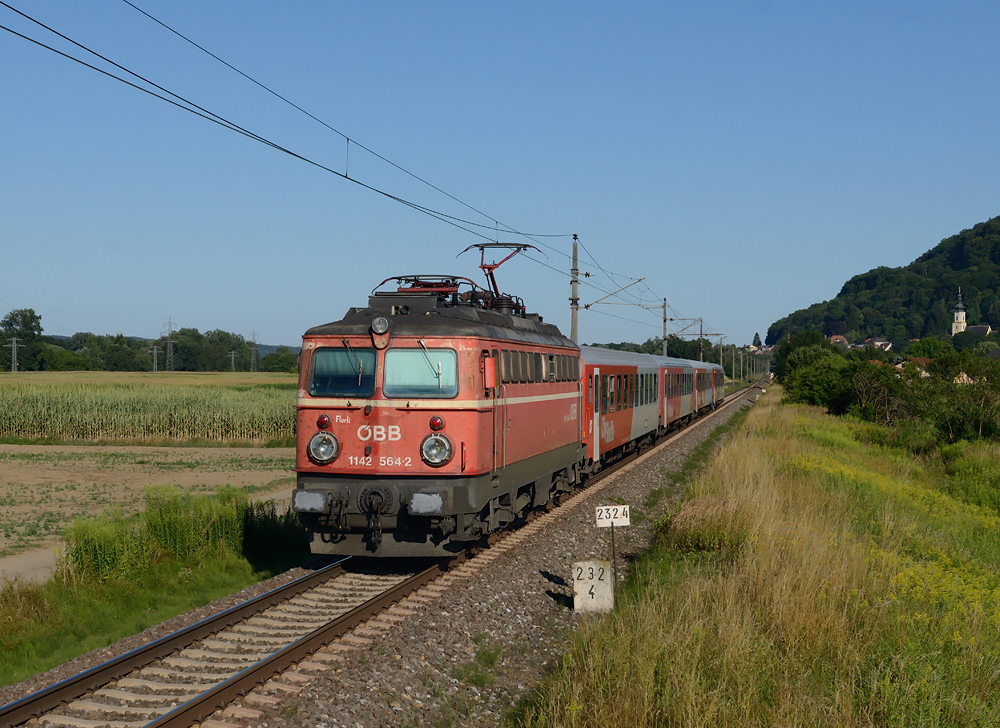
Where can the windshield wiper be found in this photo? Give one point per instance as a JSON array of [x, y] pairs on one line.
[[427, 356], [350, 356]]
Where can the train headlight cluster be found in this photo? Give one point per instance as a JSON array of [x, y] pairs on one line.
[[323, 448], [436, 450]]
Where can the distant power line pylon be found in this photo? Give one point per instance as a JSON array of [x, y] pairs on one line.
[[232, 359], [13, 344], [253, 351], [156, 350], [170, 343]]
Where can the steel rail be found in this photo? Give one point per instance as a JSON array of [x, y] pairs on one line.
[[221, 695], [72, 688]]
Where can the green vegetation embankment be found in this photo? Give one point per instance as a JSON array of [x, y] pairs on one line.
[[811, 577]]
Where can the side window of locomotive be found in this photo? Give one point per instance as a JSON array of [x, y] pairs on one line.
[[342, 373], [515, 366], [537, 358], [550, 370], [421, 372], [505, 366]]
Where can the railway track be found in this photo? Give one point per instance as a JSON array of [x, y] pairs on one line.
[[185, 677]]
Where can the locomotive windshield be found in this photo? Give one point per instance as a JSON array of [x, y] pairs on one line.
[[421, 372], [345, 372]]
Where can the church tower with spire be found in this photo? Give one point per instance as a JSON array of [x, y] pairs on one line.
[[958, 325]]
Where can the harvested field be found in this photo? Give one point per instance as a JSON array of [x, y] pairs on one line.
[[43, 488]]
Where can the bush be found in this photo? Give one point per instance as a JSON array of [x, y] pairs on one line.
[[817, 383]]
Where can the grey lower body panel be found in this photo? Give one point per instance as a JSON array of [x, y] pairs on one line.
[[428, 516]]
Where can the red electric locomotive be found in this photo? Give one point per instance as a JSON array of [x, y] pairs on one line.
[[442, 411]]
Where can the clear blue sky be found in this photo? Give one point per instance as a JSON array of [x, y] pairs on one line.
[[746, 158]]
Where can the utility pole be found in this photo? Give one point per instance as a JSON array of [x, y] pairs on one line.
[[156, 350], [13, 344], [170, 343], [232, 359], [701, 342], [574, 294], [664, 327]]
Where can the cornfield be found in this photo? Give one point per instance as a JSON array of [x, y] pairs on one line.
[[154, 409]]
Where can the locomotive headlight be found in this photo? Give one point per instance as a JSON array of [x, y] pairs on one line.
[[436, 450], [380, 325], [323, 448]]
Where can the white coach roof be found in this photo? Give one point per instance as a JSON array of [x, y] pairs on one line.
[[595, 355]]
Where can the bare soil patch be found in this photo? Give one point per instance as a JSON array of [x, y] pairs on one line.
[[43, 488]]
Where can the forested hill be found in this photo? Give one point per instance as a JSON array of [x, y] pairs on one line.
[[914, 301]]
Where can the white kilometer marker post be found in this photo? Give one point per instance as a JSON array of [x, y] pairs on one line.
[[611, 516], [592, 590]]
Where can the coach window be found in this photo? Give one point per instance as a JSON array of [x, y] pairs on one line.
[[590, 392], [635, 389], [343, 373]]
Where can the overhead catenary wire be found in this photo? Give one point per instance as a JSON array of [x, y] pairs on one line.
[[226, 124], [350, 140], [202, 112]]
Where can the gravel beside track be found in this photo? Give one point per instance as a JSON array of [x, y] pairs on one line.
[[422, 672]]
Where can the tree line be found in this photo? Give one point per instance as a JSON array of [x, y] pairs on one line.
[[193, 351], [913, 301], [943, 396]]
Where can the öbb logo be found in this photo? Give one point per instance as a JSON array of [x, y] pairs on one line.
[[379, 433]]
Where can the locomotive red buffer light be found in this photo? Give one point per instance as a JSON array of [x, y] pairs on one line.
[[322, 422], [437, 424]]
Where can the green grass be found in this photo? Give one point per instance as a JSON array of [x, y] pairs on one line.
[[122, 574]]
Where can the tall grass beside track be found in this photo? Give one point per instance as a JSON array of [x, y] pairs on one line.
[[164, 408], [121, 574], [810, 578]]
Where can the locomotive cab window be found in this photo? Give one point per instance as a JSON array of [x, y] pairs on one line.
[[421, 372], [342, 373]]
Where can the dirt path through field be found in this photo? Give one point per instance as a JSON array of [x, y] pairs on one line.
[[44, 488]]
